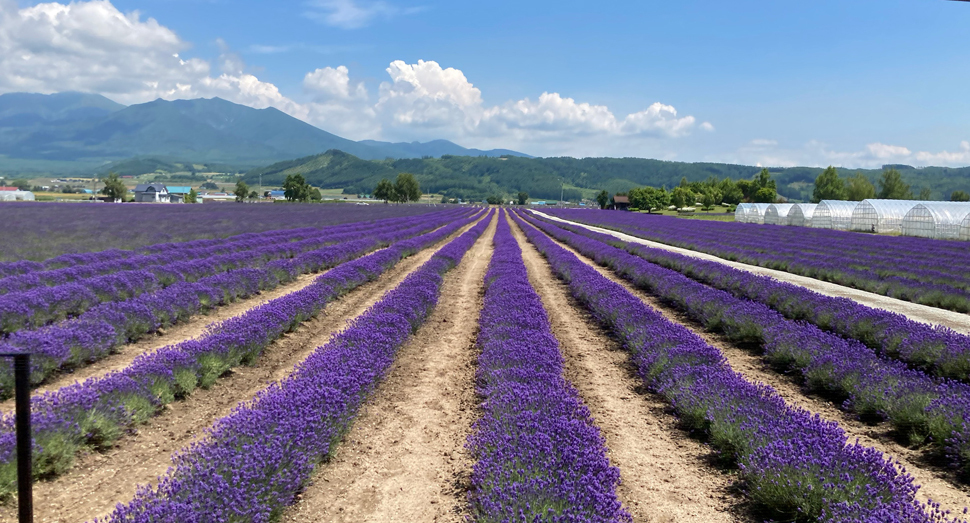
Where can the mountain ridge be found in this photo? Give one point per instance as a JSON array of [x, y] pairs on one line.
[[75, 126]]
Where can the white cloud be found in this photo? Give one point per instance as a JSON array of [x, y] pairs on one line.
[[761, 142], [93, 47], [872, 155], [708, 126], [351, 14], [945, 158]]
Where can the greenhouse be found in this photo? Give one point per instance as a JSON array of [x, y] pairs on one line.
[[751, 212], [881, 216], [833, 214], [777, 213], [965, 229], [801, 214], [940, 220]]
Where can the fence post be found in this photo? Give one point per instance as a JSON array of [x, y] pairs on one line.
[[25, 487]]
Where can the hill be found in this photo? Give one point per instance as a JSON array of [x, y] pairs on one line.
[[477, 177], [90, 128]]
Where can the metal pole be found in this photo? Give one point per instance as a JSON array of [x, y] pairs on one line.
[[25, 498]]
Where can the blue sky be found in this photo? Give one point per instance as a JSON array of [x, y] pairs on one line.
[[854, 83]]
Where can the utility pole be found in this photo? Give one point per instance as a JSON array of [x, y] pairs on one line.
[[260, 187], [562, 188]]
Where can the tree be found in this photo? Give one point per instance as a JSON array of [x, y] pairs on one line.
[[959, 196], [828, 186], [682, 197], [253, 195], [114, 188], [406, 188], [315, 195], [384, 190], [210, 186], [495, 200], [21, 184], [649, 198], [295, 188], [859, 188], [708, 200], [603, 198], [192, 197], [444, 198], [765, 195], [892, 186], [925, 194], [242, 191], [730, 192], [523, 197]]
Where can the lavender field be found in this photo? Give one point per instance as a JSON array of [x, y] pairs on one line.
[[414, 363]]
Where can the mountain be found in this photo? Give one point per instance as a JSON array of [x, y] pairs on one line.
[[476, 177], [435, 148], [19, 110], [88, 127]]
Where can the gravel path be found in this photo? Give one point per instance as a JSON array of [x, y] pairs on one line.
[[922, 313]]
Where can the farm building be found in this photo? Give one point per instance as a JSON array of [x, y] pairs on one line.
[[881, 216], [155, 192], [179, 190], [751, 212], [940, 220], [621, 203], [13, 194], [833, 214], [801, 214], [777, 213]]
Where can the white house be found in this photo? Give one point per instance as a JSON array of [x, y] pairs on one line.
[[155, 192]]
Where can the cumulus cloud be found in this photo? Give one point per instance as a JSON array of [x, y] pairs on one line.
[[350, 14], [872, 155], [93, 47]]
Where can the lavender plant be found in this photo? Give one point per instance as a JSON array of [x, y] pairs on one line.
[[99, 410], [539, 455], [792, 464], [921, 270], [254, 461]]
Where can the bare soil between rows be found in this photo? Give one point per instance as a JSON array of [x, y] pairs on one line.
[[936, 484], [404, 459], [100, 480], [666, 475]]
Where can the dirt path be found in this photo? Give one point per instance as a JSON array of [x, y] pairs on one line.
[[665, 474], [193, 328], [935, 484], [404, 458], [914, 311], [98, 481]]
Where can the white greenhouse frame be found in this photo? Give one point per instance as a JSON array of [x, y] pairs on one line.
[[777, 213], [881, 216], [965, 229], [940, 220], [752, 213], [833, 214], [801, 214]]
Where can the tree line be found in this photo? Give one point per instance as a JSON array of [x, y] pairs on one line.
[[830, 186], [762, 188]]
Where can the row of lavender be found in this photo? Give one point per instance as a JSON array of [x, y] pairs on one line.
[[935, 349], [99, 331], [97, 411], [41, 231], [57, 298], [539, 456], [792, 464], [920, 270], [253, 462], [920, 408]]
